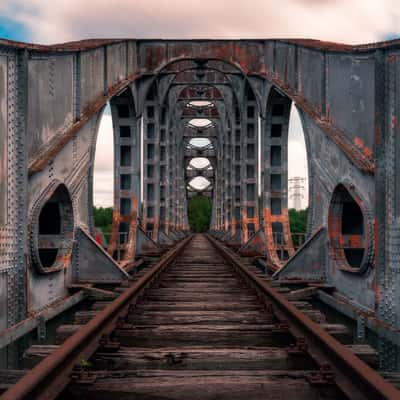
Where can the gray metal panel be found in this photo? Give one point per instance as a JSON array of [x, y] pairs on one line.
[[350, 95], [92, 263], [310, 260], [3, 140], [45, 289], [269, 54], [132, 57], [116, 63], [50, 99], [3, 300], [311, 64], [285, 63], [92, 76]]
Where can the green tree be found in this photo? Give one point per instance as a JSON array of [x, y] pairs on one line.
[[103, 220], [298, 223], [199, 213]]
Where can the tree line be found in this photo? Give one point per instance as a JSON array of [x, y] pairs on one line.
[[199, 214]]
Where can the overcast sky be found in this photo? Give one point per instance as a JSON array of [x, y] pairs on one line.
[[55, 21]]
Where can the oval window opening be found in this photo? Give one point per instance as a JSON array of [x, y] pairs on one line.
[[200, 143], [55, 230], [346, 229], [199, 163], [200, 104], [199, 183], [200, 123]]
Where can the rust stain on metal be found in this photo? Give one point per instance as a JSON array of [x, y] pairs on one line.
[[52, 149]]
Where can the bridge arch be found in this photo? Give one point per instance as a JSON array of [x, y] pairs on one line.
[[274, 172], [126, 176]]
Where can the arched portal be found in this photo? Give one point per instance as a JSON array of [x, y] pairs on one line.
[[126, 182], [202, 101], [275, 178]]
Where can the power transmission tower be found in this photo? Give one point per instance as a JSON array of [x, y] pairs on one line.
[[296, 188]]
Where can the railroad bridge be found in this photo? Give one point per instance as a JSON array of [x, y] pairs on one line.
[[234, 98]]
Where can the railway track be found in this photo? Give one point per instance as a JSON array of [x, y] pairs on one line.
[[201, 324]]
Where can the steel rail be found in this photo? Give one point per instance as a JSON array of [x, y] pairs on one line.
[[48, 378], [351, 375]]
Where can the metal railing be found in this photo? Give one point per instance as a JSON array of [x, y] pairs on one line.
[[298, 240], [105, 240], [281, 245]]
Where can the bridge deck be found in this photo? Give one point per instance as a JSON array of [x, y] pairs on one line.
[[200, 332]]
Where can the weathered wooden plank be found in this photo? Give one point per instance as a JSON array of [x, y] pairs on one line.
[[366, 353], [194, 359], [201, 335], [186, 358], [65, 331], [36, 353], [196, 277], [99, 305], [210, 297], [302, 294], [206, 284], [198, 305], [315, 315], [10, 376], [197, 317], [212, 290], [205, 385], [339, 331], [393, 378], [303, 305], [83, 317]]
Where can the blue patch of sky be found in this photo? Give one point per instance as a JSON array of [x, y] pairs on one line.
[[13, 30], [391, 36]]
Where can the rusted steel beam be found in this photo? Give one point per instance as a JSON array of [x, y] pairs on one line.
[[27, 325], [79, 45], [89, 44], [355, 378], [49, 377]]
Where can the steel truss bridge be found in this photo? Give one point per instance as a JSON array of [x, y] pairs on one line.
[[227, 101]]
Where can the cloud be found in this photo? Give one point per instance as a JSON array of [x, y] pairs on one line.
[[103, 185], [336, 20], [297, 154]]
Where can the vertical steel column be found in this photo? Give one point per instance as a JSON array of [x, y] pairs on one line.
[[164, 151], [250, 214], [151, 165], [227, 178], [275, 178], [168, 173], [126, 128], [237, 172]]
